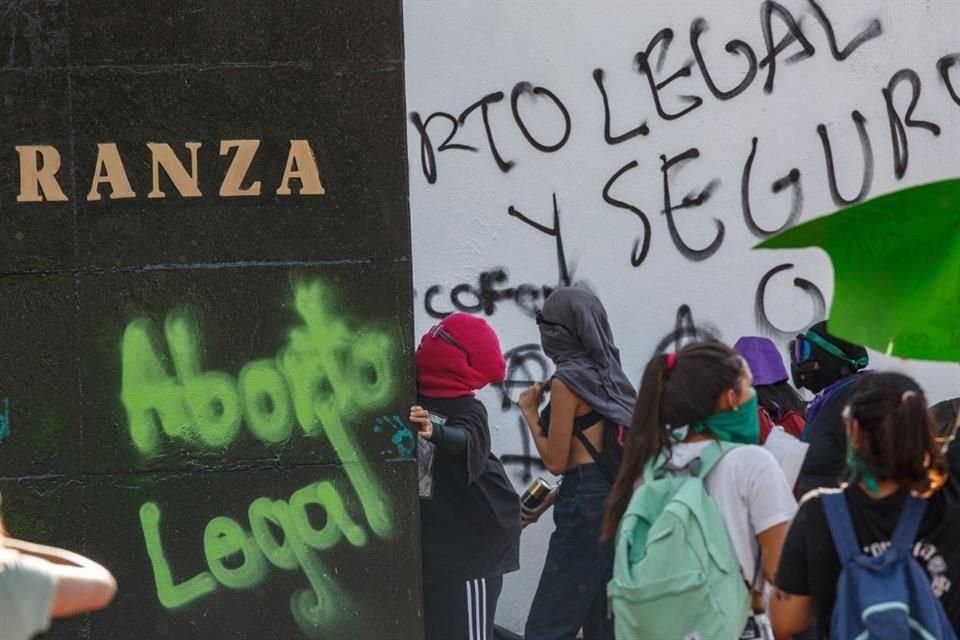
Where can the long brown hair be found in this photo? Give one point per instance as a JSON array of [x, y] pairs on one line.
[[897, 432], [685, 393]]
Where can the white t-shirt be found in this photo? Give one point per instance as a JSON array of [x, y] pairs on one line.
[[26, 594], [751, 493]]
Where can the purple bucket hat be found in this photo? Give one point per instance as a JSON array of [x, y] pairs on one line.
[[764, 359]]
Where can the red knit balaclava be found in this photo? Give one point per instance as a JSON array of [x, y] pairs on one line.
[[445, 370]]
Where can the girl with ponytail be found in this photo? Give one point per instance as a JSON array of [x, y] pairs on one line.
[[892, 453], [687, 400]]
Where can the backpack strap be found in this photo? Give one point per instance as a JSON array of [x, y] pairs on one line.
[[841, 525], [581, 424], [909, 523], [712, 454], [699, 467], [587, 420]]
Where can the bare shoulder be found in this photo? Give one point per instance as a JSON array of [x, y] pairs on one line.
[[560, 392], [558, 385]]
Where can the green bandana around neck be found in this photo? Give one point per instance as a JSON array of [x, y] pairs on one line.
[[860, 470], [740, 425]]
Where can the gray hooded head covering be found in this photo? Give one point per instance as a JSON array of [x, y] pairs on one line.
[[575, 334]]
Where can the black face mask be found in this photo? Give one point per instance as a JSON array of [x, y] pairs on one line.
[[807, 375]]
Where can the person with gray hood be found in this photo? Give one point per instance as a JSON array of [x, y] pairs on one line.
[[579, 435]]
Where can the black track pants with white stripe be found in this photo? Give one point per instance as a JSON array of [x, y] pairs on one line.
[[461, 610]]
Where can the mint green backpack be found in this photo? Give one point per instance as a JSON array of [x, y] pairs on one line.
[[675, 574]]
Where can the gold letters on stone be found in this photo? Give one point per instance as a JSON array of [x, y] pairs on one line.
[[40, 165]]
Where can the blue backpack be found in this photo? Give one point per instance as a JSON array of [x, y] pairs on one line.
[[885, 597]]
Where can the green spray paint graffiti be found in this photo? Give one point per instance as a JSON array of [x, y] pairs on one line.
[[324, 376], [5, 420], [325, 372], [402, 440], [224, 539]]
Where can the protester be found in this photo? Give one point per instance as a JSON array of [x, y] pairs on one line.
[[688, 401], [893, 455], [589, 396], [945, 417], [780, 404], [38, 582], [828, 366], [469, 511]]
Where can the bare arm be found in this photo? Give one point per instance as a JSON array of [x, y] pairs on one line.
[[771, 544], [554, 449], [790, 614], [82, 584]]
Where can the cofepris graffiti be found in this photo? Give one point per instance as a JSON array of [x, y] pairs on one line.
[[327, 373]]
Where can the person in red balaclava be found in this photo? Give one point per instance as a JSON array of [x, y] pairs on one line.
[[469, 512]]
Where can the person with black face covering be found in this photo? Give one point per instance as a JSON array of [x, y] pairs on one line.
[[828, 366]]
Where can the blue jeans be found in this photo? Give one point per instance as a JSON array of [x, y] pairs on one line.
[[573, 586]]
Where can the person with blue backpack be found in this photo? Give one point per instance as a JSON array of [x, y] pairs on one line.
[[877, 559], [698, 510], [577, 435]]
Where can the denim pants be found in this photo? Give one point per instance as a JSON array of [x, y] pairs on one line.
[[573, 586]]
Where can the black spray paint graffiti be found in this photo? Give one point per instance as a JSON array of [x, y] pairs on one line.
[[608, 137], [867, 148], [525, 88], [943, 68], [689, 201], [638, 253], [735, 47], [765, 326], [792, 179], [685, 331], [792, 47], [485, 296], [662, 40], [898, 131], [428, 156], [526, 364], [563, 271], [526, 461], [873, 30]]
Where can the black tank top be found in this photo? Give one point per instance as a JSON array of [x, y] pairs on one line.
[[580, 423]]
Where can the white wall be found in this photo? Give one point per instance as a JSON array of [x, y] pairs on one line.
[[459, 52]]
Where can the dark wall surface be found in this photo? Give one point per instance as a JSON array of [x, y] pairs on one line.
[[204, 391]]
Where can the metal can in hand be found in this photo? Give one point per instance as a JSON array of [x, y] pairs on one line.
[[536, 493]]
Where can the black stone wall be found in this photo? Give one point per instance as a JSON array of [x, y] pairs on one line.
[[206, 393]]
